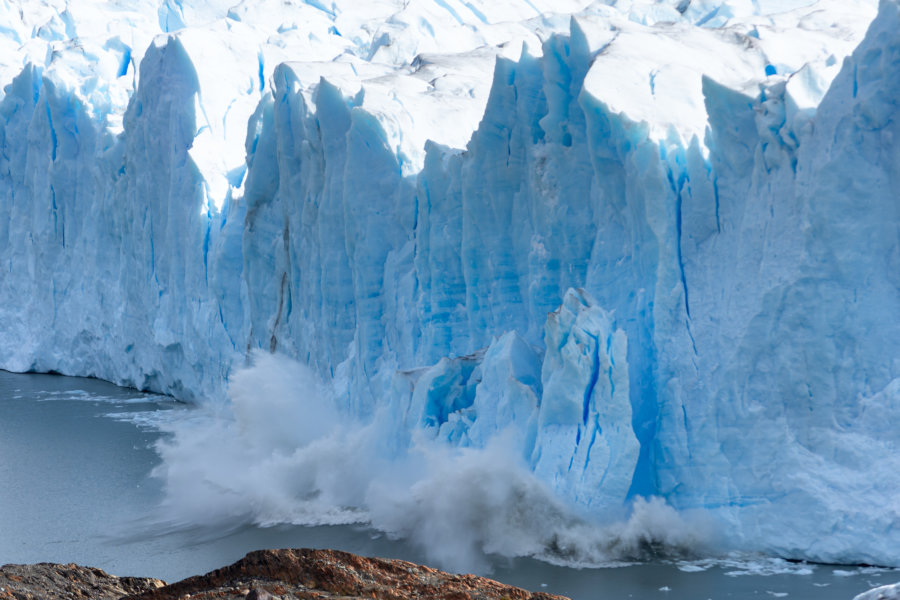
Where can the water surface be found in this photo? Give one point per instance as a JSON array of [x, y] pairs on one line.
[[75, 486]]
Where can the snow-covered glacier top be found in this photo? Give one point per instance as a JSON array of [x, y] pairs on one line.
[[422, 64], [561, 255]]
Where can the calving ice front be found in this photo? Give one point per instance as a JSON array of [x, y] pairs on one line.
[[520, 264]]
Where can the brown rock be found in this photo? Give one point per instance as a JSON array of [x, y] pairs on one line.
[[264, 575], [259, 594], [47, 581], [330, 574]]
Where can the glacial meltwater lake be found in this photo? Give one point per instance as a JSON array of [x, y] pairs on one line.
[[75, 486]]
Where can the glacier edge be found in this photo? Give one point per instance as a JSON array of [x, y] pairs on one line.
[[722, 297]]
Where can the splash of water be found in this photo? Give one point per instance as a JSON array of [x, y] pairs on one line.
[[282, 451]]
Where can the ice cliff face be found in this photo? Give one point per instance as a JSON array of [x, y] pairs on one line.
[[657, 242]]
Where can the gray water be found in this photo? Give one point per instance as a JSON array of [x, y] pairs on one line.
[[75, 486]]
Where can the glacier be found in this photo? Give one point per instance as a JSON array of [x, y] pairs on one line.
[[608, 250]]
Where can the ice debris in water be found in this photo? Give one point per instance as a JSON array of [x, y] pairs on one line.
[[884, 592]]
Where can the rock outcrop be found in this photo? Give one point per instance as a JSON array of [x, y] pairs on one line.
[[265, 575], [46, 581]]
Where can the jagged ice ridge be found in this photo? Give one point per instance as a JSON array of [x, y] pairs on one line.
[[657, 242]]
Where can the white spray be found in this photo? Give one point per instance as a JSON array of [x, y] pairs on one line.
[[282, 452]]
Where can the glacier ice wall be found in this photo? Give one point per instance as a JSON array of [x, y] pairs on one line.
[[658, 247]]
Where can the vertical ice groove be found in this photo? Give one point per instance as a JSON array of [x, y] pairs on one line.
[[478, 14], [443, 4], [595, 375], [715, 184], [596, 431], [320, 6], [677, 189], [206, 238], [125, 61], [707, 17], [261, 73], [53, 139], [684, 418]]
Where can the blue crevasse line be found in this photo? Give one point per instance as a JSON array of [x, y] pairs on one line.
[[37, 82], [255, 143], [855, 80], [206, 246], [316, 4], [707, 17], [225, 327], [224, 117], [678, 203], [684, 420], [677, 188], [609, 372], [288, 301], [575, 449], [53, 139], [595, 375], [691, 335], [152, 253], [598, 431], [450, 10], [715, 183], [262, 71], [125, 62], [478, 14], [765, 165], [55, 211]]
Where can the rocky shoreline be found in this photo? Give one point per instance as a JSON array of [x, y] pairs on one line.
[[264, 575]]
